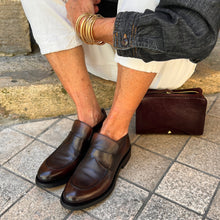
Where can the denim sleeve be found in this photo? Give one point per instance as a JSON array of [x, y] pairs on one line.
[[177, 29]]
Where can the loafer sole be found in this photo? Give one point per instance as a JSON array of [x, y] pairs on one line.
[[52, 183], [80, 206]]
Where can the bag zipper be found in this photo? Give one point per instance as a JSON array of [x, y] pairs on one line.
[[182, 92]]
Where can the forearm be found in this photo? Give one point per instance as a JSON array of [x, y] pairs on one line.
[[177, 29], [103, 30]]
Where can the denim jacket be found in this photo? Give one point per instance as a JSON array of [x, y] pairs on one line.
[[177, 29]]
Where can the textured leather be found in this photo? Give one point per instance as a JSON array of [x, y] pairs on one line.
[[95, 176], [60, 165], [172, 112]]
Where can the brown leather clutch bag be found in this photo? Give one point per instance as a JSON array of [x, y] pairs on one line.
[[172, 112]]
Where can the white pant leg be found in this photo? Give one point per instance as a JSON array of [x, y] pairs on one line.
[[53, 33], [51, 29]]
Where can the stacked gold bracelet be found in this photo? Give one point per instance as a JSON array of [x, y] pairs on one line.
[[84, 28]]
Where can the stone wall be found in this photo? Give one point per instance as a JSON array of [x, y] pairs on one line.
[[14, 29]]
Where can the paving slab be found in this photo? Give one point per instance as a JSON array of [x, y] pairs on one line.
[[11, 142], [202, 155], [132, 130], [57, 191], [26, 70], [159, 208], [73, 117], [34, 128], [215, 110], [188, 187], [28, 161], [15, 32], [145, 168], [57, 133], [211, 98], [214, 212], [11, 189], [36, 204], [79, 215], [212, 129], [123, 203], [167, 145]]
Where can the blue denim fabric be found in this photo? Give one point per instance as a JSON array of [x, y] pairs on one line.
[[177, 29]]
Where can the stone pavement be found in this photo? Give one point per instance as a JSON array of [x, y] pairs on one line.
[[168, 176]]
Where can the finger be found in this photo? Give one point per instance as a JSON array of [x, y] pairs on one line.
[[96, 8], [96, 2]]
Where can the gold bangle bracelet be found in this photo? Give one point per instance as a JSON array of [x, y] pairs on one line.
[[84, 28], [77, 25], [90, 29], [87, 31]]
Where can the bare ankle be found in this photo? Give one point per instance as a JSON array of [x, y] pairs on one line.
[[114, 135], [91, 118], [114, 130]]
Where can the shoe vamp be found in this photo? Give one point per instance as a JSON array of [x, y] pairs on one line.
[[61, 160], [88, 174], [65, 154]]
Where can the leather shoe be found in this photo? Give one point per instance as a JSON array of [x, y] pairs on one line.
[[60, 165], [95, 177]]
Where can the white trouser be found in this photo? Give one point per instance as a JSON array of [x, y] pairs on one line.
[[53, 32]]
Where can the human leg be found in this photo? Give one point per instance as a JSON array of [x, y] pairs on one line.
[[69, 66], [130, 89], [58, 41], [95, 177]]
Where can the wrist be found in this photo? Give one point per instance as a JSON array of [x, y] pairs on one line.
[[103, 30], [84, 28]]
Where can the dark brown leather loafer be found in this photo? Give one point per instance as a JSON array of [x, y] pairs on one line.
[[95, 177], [60, 165]]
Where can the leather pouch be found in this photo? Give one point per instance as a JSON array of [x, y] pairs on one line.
[[172, 112]]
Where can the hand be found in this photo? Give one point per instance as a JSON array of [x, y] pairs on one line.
[[103, 28], [75, 8]]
